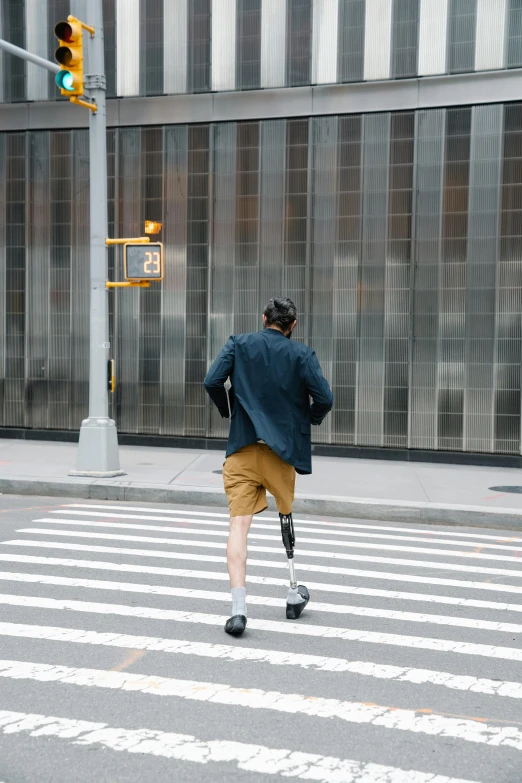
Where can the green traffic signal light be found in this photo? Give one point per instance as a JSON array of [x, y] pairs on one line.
[[70, 56], [65, 81]]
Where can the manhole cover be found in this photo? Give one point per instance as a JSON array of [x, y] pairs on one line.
[[513, 490], [219, 472]]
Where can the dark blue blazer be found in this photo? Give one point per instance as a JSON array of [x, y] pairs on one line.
[[272, 380]]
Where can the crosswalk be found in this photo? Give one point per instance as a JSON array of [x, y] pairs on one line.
[[405, 667]]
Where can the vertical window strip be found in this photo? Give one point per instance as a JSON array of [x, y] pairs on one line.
[[109, 34], [514, 40], [199, 47], [405, 38], [462, 36], [175, 233], [372, 348], [56, 384], [149, 376], [481, 277], [15, 282], [151, 47], [509, 288], [14, 68], [298, 42], [427, 294], [323, 277], [198, 234], [246, 269], [296, 215], [352, 15], [346, 286], [452, 357], [397, 328], [248, 60]]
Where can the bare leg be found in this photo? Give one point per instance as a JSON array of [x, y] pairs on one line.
[[237, 550]]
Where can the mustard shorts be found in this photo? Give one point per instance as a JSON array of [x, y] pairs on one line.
[[250, 472]]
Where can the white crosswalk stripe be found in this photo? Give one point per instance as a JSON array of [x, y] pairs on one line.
[[251, 758], [321, 631], [216, 576], [249, 698], [358, 658], [274, 657], [204, 515], [208, 595], [260, 526], [263, 537], [253, 563], [272, 550]]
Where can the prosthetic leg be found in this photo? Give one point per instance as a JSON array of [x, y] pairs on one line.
[[298, 596]]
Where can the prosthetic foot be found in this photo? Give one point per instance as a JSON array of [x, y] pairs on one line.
[[298, 595]]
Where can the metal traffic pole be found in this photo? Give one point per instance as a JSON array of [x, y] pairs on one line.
[[98, 447], [25, 55]]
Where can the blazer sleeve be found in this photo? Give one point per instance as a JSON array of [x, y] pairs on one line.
[[218, 374], [318, 389]]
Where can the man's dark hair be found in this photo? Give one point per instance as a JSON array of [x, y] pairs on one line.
[[281, 312]]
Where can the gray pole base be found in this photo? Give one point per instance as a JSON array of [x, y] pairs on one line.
[[98, 450]]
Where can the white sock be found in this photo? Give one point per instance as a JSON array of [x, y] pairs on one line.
[[294, 597], [239, 601]]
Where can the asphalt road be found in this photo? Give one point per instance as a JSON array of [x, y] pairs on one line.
[[405, 668]]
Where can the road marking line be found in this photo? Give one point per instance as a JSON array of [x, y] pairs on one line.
[[296, 629], [264, 537], [184, 747], [399, 719], [103, 565], [319, 663], [365, 525], [308, 567], [443, 566], [259, 526], [257, 600]]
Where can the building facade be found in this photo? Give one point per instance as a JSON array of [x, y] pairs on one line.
[[363, 157]]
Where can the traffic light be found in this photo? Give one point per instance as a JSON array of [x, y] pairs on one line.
[[70, 56]]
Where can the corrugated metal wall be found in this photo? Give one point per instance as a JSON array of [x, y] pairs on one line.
[[398, 235], [156, 47]]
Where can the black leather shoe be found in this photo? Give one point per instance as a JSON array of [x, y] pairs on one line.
[[236, 625], [293, 611]]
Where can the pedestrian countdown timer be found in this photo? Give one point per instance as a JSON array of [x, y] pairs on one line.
[[143, 261]]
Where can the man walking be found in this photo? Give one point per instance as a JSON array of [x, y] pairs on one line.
[[272, 381]]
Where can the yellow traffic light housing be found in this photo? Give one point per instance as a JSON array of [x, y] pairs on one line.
[[69, 56]]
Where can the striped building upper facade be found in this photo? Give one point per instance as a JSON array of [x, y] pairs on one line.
[[361, 156], [170, 47]]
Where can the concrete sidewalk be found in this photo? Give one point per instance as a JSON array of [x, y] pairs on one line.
[[366, 489]]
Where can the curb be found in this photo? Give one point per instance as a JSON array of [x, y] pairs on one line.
[[324, 505]]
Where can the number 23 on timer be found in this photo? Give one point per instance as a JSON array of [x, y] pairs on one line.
[[143, 262]]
